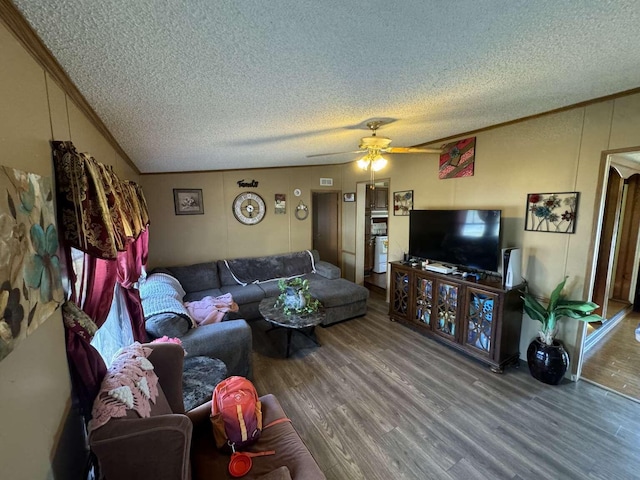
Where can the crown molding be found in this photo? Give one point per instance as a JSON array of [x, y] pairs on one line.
[[20, 28]]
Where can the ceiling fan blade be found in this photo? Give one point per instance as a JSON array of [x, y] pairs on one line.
[[336, 153], [412, 150]]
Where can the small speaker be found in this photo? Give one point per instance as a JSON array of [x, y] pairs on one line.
[[511, 267]]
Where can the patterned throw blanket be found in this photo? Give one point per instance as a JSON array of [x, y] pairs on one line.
[[130, 384], [162, 293]]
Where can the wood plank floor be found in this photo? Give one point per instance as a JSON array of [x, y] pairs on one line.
[[379, 401], [615, 360]]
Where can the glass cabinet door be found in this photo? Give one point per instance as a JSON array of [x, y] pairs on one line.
[[424, 300], [400, 286], [479, 314], [447, 309]]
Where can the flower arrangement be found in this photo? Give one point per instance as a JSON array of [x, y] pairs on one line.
[[295, 298]]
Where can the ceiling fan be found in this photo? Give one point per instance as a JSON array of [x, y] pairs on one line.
[[375, 146]]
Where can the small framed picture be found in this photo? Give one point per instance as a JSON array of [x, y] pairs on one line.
[[281, 204], [402, 202], [349, 197], [188, 201]]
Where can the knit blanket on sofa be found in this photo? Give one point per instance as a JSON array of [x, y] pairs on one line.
[[273, 267], [130, 384], [162, 293]]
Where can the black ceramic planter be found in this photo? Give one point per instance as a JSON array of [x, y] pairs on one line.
[[547, 363]]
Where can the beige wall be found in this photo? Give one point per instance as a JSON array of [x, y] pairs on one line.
[[34, 379], [185, 239]]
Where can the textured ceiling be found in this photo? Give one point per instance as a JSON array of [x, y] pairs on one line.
[[207, 85]]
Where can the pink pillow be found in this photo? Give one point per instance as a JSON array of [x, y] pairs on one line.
[[166, 339]]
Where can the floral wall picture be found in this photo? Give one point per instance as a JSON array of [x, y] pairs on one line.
[[552, 212], [458, 159], [30, 283], [402, 202]]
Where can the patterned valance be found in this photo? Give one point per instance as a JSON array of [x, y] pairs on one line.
[[98, 212]]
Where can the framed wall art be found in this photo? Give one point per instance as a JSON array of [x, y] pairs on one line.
[[458, 159], [281, 204], [349, 197], [402, 202], [188, 201], [551, 212], [30, 276]]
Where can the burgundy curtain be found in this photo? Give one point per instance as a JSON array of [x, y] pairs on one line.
[[130, 263], [87, 374], [101, 279], [107, 219]]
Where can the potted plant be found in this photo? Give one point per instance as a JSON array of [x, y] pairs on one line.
[[547, 358], [295, 297]]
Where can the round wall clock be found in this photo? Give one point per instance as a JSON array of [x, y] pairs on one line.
[[249, 208]]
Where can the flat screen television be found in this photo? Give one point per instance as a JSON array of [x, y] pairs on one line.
[[464, 238]]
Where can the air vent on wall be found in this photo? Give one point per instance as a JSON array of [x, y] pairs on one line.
[[326, 182]]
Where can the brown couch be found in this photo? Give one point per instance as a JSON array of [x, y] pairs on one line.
[[174, 445]]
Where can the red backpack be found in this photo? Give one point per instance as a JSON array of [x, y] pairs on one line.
[[236, 413]]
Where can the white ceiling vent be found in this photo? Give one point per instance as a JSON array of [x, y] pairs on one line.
[[326, 182]]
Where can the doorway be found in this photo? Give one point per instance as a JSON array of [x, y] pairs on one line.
[[376, 239], [616, 267], [610, 350], [326, 225]]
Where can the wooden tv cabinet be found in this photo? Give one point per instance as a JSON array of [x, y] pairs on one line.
[[480, 318]]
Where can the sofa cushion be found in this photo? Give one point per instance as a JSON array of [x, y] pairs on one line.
[[200, 294], [169, 324], [328, 270], [281, 473], [270, 289], [200, 276], [332, 293], [242, 295]]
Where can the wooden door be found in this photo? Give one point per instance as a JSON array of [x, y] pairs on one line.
[[625, 272], [606, 249], [326, 226]]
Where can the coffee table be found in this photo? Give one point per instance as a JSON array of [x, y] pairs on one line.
[[292, 322]]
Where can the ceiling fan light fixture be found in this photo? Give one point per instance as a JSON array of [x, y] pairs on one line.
[[363, 163], [378, 163]]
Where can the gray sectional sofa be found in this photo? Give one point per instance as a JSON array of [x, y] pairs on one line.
[[249, 280]]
